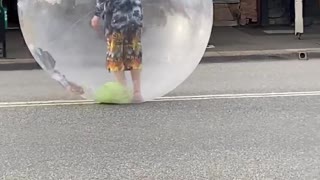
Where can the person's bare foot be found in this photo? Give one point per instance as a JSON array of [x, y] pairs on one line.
[[137, 98]]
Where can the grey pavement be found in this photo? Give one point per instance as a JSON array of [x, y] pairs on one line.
[[16, 47], [255, 38], [220, 139], [249, 138]]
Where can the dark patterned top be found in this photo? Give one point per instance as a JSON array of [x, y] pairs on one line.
[[120, 14]]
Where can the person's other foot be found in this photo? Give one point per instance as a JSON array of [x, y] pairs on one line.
[[137, 98]]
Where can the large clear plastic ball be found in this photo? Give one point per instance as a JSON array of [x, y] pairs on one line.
[[59, 35]]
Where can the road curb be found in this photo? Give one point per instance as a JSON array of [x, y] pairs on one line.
[[18, 64], [213, 53], [210, 56], [260, 55]]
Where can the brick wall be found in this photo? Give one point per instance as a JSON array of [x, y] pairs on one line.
[[224, 14], [233, 14], [249, 11]]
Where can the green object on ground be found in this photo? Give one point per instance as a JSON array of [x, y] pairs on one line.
[[113, 93]]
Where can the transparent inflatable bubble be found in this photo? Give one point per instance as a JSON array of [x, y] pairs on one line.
[[61, 38]]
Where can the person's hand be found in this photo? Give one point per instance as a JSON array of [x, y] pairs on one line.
[[95, 22]]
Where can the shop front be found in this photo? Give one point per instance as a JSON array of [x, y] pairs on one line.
[[13, 19], [226, 12], [231, 12], [263, 12], [235, 12], [282, 12]]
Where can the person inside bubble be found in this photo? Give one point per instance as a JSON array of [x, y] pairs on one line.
[[122, 25]]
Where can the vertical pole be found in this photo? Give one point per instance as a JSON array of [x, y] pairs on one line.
[[299, 18]]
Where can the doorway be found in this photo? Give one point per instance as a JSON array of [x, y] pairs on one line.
[[13, 18]]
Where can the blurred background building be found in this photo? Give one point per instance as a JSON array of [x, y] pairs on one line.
[[262, 12], [232, 23]]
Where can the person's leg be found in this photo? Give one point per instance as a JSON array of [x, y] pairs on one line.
[[114, 57], [121, 77], [136, 80], [133, 51]]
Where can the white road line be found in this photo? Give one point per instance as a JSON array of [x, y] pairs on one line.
[[163, 99], [248, 95], [44, 103]]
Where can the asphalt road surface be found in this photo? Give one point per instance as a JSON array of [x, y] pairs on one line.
[[261, 121]]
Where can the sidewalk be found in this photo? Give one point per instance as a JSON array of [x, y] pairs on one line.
[[269, 42], [231, 43], [16, 47]]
